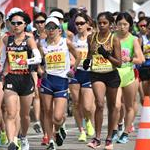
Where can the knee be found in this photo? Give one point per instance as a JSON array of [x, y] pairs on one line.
[[100, 105], [129, 109], [11, 115], [87, 109], [58, 120]]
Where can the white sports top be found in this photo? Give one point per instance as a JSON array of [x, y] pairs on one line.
[[57, 58], [82, 47]]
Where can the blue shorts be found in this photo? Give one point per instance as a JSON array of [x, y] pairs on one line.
[[81, 77], [55, 86]]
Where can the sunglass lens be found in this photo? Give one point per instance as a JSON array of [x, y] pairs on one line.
[[51, 27], [40, 21], [80, 23], [17, 23]]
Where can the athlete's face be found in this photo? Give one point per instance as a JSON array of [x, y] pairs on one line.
[[103, 24], [52, 30], [123, 26], [40, 23], [17, 24], [81, 24], [142, 26]]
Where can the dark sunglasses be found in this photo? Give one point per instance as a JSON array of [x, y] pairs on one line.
[[80, 23], [51, 27], [40, 21], [143, 25], [18, 23]]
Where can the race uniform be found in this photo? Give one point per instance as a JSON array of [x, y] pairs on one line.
[[126, 71], [18, 77], [144, 70], [81, 77], [57, 65], [102, 69]]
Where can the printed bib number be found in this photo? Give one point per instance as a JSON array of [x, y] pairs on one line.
[[147, 48], [55, 61], [12, 56], [83, 55], [100, 64]]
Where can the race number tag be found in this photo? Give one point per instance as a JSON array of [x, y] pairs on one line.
[[100, 64], [12, 56], [83, 55], [55, 61]]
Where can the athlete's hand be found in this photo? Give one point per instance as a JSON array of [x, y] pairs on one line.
[[103, 52], [20, 61], [71, 72], [86, 64]]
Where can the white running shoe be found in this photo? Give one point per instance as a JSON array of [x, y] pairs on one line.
[[24, 143]]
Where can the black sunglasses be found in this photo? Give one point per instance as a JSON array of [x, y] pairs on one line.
[[40, 21], [80, 23], [51, 27], [18, 23]]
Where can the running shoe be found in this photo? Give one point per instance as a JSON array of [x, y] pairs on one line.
[[90, 128], [51, 145], [59, 139], [24, 143], [120, 129], [82, 137], [3, 138], [115, 136], [131, 128], [17, 142], [12, 146], [63, 132], [123, 138], [45, 141], [108, 144], [37, 127], [95, 143]]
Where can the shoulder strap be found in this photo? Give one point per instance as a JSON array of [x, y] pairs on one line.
[[111, 40]]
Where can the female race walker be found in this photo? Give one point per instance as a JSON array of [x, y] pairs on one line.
[[18, 81]]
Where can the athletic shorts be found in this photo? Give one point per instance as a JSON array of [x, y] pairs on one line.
[[144, 73], [127, 76], [55, 86], [81, 77], [110, 79], [23, 85]]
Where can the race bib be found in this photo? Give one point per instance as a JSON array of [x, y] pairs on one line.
[[83, 55], [100, 64], [55, 61], [12, 56], [147, 48]]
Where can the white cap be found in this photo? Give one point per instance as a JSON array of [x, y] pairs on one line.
[[56, 14], [13, 11], [52, 19]]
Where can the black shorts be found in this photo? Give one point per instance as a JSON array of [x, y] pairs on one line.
[[21, 84], [110, 79], [144, 73]]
